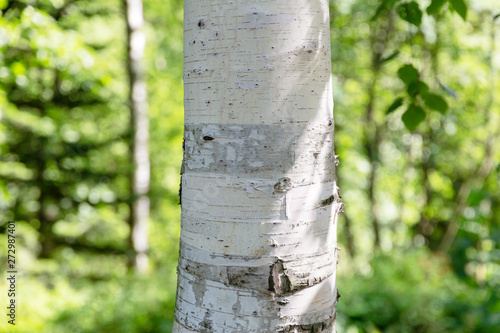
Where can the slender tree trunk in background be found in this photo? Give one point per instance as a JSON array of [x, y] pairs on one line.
[[425, 225], [258, 249], [372, 132], [371, 146], [139, 125]]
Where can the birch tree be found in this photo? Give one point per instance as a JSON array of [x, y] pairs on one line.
[[258, 248], [139, 125]]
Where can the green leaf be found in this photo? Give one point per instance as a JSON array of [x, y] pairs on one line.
[[410, 12], [395, 105], [435, 6], [408, 74], [413, 116], [460, 7], [417, 87], [435, 102]]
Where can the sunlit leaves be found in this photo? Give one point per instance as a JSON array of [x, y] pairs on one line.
[[460, 7], [419, 95], [410, 12], [413, 116], [417, 89], [435, 102]]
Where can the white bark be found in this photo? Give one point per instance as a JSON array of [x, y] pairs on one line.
[[139, 123], [258, 248]]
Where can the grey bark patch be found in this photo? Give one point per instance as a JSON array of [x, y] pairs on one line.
[[238, 146], [199, 289], [260, 149]]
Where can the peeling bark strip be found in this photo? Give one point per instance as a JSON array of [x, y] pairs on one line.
[[258, 248]]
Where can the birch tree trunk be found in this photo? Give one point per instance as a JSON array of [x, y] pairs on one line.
[[139, 125], [258, 249]]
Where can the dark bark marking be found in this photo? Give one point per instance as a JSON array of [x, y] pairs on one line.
[[180, 193], [279, 282], [327, 201], [284, 184]]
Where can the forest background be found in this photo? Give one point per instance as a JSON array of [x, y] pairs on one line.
[[417, 120]]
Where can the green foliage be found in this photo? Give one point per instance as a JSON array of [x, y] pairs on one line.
[[408, 74], [413, 116], [416, 88], [410, 12], [435, 6], [412, 293], [417, 91], [435, 102], [419, 184], [460, 7], [64, 170], [120, 304]]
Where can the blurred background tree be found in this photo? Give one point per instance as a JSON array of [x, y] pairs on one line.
[[417, 130]]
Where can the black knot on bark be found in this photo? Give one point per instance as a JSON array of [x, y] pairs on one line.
[[283, 185]]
